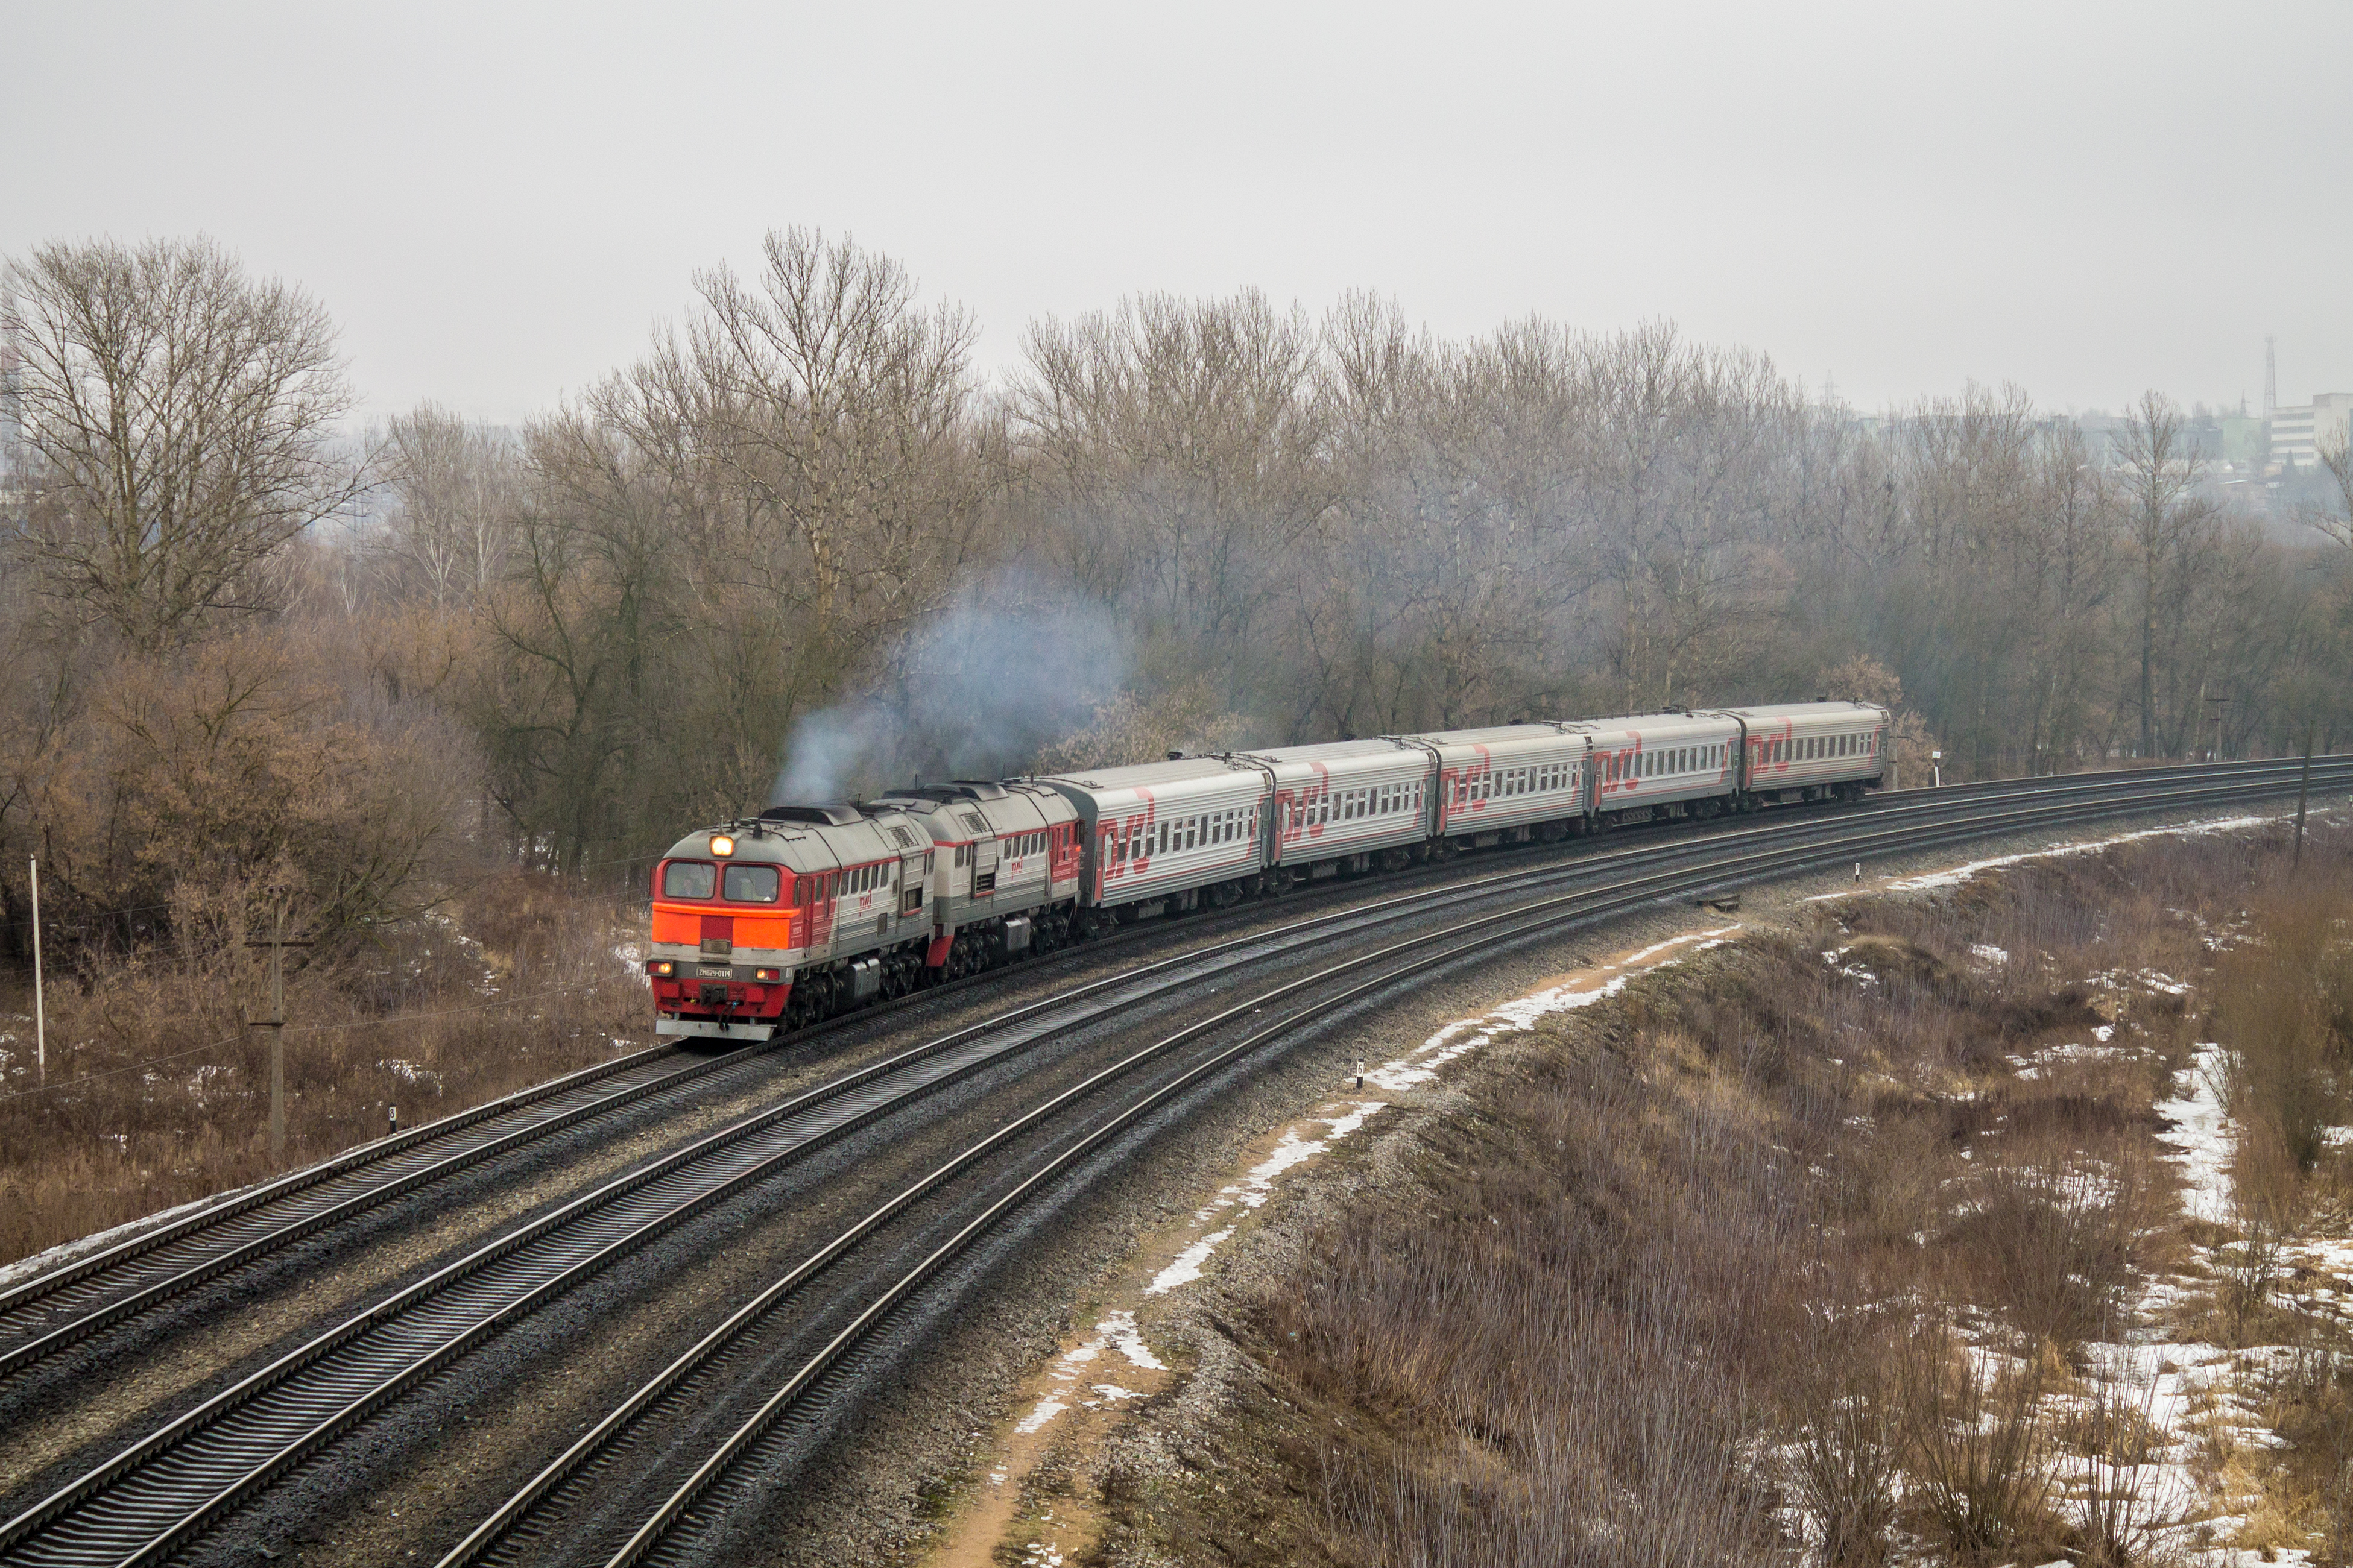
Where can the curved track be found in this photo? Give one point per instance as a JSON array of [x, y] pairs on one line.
[[703, 1496], [170, 1486], [61, 1307]]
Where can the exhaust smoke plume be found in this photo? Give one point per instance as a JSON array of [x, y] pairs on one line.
[[1003, 673]]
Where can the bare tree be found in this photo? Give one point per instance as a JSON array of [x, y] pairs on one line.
[[2166, 522], [1171, 446], [840, 413], [2072, 542], [757, 518], [458, 490], [178, 414], [2337, 462]]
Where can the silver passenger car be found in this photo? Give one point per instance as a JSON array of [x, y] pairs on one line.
[[1813, 750], [1162, 837], [1344, 805], [1507, 784]]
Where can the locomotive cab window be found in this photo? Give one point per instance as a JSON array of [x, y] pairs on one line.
[[688, 880]]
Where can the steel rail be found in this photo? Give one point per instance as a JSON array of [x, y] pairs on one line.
[[171, 1259], [1658, 883], [1577, 907], [1137, 985], [1581, 906]]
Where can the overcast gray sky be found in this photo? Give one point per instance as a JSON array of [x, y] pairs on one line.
[[498, 202]]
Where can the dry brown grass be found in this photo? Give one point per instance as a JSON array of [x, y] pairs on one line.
[[158, 1095], [1558, 1377], [1780, 1227]]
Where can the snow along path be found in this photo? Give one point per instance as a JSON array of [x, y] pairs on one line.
[[1070, 1405], [1420, 1066], [2191, 1393], [66, 1252], [1961, 874]]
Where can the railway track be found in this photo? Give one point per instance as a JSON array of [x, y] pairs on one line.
[[59, 1308], [169, 1487], [701, 1498]]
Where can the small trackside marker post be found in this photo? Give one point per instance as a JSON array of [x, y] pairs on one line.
[[392, 1121], [1858, 873]]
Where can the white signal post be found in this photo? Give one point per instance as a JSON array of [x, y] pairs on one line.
[[1936, 768], [40, 1013]]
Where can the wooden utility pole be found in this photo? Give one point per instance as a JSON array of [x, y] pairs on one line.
[[276, 1025], [2302, 793], [40, 1011]]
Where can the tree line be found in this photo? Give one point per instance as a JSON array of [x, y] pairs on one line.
[[254, 659]]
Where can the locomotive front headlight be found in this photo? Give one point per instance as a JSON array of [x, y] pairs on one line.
[[721, 845], [765, 974], [661, 966]]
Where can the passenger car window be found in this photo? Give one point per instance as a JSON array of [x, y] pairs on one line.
[[751, 884], [688, 879]]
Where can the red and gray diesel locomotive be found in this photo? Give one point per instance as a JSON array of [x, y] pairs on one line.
[[806, 911]]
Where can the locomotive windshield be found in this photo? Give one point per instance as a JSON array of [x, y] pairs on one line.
[[688, 880], [751, 884]]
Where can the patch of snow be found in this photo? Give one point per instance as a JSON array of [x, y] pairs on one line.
[[67, 1251], [1046, 1410], [1114, 1330], [1258, 1183], [2031, 1065], [2203, 1135], [1986, 952], [1462, 1037], [1961, 874], [1187, 1266]]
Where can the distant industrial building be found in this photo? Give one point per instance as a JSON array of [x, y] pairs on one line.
[[2299, 432]]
